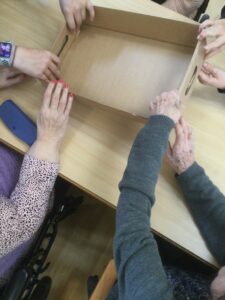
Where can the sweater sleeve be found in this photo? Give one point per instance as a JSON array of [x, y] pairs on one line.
[[185, 7], [207, 204], [139, 268], [24, 212]]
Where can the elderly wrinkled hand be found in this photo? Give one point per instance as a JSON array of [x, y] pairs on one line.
[[54, 113], [181, 155], [167, 104]]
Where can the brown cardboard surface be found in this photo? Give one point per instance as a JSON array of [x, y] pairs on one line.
[[191, 75], [145, 25], [129, 62]]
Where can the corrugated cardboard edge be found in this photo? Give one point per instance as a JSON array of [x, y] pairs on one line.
[[192, 73]]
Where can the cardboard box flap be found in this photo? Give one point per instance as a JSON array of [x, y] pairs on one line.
[[157, 28], [192, 73], [146, 7]]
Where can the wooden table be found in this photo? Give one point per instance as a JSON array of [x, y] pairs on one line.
[[98, 142]]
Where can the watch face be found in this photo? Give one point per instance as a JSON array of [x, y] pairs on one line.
[[5, 50]]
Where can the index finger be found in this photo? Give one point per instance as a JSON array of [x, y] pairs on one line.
[[178, 131], [69, 104], [209, 32], [48, 94], [185, 127], [206, 24], [55, 59], [91, 11]]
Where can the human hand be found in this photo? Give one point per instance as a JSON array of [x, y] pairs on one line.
[[212, 76], [181, 155], [37, 63], [214, 29], [10, 76], [74, 12], [52, 121], [167, 104], [54, 113], [218, 285]]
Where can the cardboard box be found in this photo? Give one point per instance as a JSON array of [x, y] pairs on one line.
[[123, 60]]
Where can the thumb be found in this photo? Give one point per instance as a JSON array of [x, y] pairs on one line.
[[169, 151], [14, 80], [204, 78]]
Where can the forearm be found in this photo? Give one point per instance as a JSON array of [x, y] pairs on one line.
[[24, 212], [146, 156], [139, 180], [134, 243], [207, 204], [184, 7]]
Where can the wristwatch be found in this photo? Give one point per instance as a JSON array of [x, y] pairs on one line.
[[7, 53]]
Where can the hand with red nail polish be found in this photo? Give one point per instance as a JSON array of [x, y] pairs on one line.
[[52, 121]]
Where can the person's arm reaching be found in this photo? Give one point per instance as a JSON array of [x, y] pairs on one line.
[[139, 268], [23, 213], [36, 63], [75, 12], [185, 7], [206, 202]]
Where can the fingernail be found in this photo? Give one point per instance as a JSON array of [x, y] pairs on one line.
[[54, 81], [61, 81], [72, 95], [66, 86]]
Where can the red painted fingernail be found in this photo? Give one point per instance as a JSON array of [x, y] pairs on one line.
[[54, 81], [65, 85], [61, 81], [71, 94]]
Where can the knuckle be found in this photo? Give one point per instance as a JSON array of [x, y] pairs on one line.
[[77, 6], [67, 10]]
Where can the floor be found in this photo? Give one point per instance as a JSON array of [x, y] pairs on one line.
[[83, 247]]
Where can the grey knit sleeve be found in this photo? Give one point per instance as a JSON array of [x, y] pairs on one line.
[[207, 204], [139, 268]]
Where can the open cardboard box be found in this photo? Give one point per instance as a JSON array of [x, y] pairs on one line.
[[123, 60]]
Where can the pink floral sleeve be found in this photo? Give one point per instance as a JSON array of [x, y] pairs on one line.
[[22, 214]]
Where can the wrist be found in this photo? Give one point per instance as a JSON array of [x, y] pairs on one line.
[[45, 150], [49, 143], [184, 167], [18, 58], [162, 116]]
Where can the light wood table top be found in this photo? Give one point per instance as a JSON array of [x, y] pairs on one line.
[[98, 142]]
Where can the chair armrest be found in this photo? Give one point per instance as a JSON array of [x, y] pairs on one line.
[[105, 283]]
